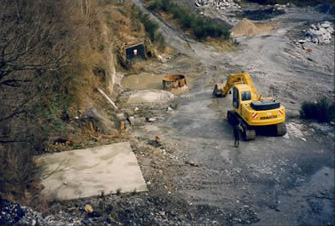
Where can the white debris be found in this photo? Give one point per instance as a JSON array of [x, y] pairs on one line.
[[169, 109], [320, 33], [152, 119], [137, 121], [219, 4], [295, 130]]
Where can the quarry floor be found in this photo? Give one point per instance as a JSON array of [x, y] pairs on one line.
[[194, 174], [269, 181]]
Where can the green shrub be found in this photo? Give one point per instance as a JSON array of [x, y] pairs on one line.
[[151, 28], [200, 27], [323, 110]]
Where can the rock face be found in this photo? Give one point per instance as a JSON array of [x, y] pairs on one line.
[[320, 33]]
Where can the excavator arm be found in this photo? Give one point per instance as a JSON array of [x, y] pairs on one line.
[[239, 78]]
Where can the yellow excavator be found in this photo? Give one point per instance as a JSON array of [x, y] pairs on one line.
[[253, 111]]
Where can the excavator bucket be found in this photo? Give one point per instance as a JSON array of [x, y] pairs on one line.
[[218, 90]]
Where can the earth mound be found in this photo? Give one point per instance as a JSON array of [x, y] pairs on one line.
[[247, 28]]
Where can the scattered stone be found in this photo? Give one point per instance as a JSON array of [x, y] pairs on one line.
[[320, 33], [98, 121], [191, 163], [94, 214], [160, 58], [70, 209], [155, 143], [152, 119], [10, 213], [137, 121], [120, 116], [88, 208], [219, 4]]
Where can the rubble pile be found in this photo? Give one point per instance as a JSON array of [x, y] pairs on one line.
[[219, 4], [320, 33]]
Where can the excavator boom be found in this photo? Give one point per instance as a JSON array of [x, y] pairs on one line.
[[239, 78]]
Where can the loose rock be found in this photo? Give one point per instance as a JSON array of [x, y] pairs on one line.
[[88, 208]]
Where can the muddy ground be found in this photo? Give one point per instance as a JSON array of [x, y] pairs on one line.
[[194, 174]]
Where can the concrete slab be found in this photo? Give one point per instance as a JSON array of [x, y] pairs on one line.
[[89, 172]]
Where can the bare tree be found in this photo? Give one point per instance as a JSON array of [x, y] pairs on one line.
[[34, 38]]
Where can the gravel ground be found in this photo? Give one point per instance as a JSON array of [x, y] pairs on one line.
[[194, 174]]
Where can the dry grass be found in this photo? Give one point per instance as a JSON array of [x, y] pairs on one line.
[[91, 43], [221, 45]]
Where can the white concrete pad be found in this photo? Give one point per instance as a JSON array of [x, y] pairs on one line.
[[89, 172], [149, 96]]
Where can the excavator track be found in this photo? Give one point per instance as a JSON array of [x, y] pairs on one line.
[[248, 132], [281, 129]]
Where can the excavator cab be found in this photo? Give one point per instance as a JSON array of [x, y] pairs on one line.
[[241, 94]]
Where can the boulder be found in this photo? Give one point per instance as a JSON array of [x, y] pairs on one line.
[[137, 121], [88, 208]]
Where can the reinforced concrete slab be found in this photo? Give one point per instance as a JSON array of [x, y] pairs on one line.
[[89, 172]]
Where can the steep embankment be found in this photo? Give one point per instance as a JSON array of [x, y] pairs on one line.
[[54, 54]]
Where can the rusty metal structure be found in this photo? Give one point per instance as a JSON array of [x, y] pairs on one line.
[[174, 81]]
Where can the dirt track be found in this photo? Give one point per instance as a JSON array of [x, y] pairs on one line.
[[269, 181]]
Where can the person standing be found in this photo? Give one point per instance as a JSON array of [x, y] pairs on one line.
[[238, 129]]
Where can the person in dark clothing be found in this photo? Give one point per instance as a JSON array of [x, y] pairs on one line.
[[237, 130]]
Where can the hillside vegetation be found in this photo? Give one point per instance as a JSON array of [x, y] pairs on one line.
[[54, 54], [198, 26]]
